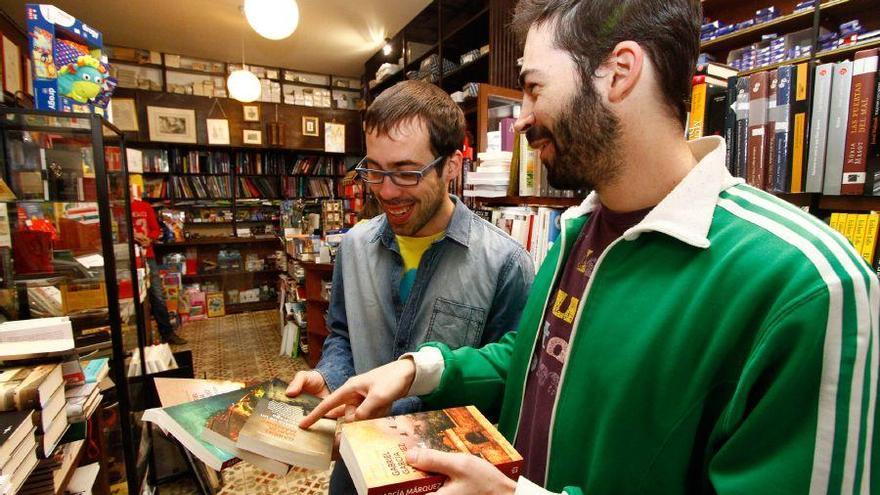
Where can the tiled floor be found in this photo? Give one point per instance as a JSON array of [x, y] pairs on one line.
[[244, 347]]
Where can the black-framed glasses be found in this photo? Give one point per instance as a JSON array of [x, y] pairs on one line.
[[403, 178]]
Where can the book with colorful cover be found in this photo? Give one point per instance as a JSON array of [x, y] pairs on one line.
[[273, 431], [186, 423], [375, 450], [222, 428]]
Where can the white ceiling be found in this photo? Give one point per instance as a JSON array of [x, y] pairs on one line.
[[334, 36]]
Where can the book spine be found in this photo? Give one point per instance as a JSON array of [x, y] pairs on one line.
[[772, 118], [860, 105], [872, 164], [759, 130], [870, 246], [799, 126], [730, 125], [859, 235], [819, 128], [716, 111], [837, 123], [742, 126], [698, 111], [781, 131]]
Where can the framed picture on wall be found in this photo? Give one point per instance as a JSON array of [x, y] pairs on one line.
[[334, 137], [124, 114], [310, 126], [251, 113], [11, 66], [218, 131], [173, 125], [252, 137]]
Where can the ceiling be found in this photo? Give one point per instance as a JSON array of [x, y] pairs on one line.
[[333, 37]]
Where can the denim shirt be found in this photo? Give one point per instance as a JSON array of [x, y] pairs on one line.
[[470, 288]]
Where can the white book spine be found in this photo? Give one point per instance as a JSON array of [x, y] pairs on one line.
[[819, 128], [837, 125]]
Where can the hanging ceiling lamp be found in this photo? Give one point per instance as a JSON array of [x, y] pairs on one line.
[[242, 84], [273, 19]]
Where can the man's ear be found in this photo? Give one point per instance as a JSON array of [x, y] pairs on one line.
[[622, 70], [452, 169]]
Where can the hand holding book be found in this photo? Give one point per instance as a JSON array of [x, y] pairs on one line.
[[372, 393], [467, 474]]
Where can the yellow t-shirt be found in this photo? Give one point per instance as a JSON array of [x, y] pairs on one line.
[[411, 250]]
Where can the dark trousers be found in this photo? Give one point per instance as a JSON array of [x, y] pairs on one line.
[[340, 480], [157, 301]]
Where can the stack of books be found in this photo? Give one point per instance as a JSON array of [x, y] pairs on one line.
[[40, 389], [18, 449], [492, 176]]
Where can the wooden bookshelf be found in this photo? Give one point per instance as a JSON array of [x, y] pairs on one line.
[[222, 274], [251, 306], [530, 201], [217, 240]]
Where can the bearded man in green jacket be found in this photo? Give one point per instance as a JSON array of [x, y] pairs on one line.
[[688, 334]]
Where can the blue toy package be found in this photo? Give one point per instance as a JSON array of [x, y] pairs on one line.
[[69, 72], [765, 15], [802, 6]]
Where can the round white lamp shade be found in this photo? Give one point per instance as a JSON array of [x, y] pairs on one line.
[[244, 86], [273, 19]]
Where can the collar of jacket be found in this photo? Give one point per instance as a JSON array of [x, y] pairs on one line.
[[459, 228], [686, 212]]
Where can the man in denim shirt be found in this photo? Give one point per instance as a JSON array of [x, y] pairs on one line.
[[428, 269]]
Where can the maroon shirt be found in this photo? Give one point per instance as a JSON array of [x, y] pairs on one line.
[[603, 228]]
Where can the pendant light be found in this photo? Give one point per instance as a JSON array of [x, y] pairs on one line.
[[242, 84], [273, 19]]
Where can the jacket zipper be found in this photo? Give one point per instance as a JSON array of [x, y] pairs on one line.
[[538, 333], [574, 329]]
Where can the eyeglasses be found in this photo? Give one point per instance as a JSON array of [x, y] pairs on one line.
[[403, 178]]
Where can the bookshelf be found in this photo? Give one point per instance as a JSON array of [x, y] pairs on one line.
[[446, 30], [149, 70], [69, 178], [232, 243]]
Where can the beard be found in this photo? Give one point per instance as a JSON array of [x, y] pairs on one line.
[[426, 204], [584, 138]]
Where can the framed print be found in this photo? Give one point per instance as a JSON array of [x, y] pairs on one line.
[[252, 137], [124, 114], [310, 126], [334, 137], [218, 131], [251, 113], [173, 125], [11, 66]]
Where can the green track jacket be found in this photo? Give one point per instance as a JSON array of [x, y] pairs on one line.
[[726, 344]]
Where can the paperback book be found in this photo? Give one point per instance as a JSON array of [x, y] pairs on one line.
[[375, 450]]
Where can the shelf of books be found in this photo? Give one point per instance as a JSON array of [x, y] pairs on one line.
[[68, 289], [799, 111], [221, 211]]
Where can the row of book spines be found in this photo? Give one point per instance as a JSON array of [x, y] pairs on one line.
[[315, 165], [197, 163], [256, 187], [860, 229], [200, 187], [300, 187], [776, 144]]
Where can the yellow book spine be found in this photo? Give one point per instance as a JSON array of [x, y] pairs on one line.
[[859, 236], [870, 245], [698, 111], [849, 228], [835, 222]]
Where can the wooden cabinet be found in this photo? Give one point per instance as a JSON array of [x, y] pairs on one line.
[[316, 307]]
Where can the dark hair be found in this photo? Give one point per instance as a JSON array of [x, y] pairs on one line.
[[410, 100], [669, 31]]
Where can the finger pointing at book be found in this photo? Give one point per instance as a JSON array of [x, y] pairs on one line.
[[372, 393], [467, 474]]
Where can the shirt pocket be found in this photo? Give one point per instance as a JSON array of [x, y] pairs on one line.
[[455, 324]]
